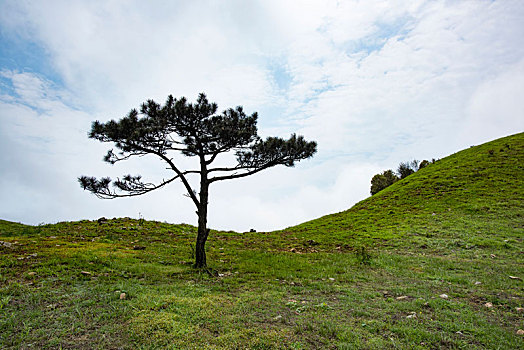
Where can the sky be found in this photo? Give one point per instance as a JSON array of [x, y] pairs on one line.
[[373, 82]]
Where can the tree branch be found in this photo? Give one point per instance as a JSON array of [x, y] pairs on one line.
[[112, 158], [180, 174], [236, 168], [130, 184], [236, 176]]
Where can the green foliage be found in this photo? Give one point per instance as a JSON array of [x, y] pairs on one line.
[[381, 181], [423, 164], [388, 177], [195, 130], [407, 168]]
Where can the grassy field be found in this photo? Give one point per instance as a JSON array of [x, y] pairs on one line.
[[435, 261]]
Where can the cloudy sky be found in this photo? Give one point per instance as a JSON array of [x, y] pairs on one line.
[[373, 82]]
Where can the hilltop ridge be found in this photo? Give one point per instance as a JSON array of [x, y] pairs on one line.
[[479, 187]]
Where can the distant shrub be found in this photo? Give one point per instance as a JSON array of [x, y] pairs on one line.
[[388, 177], [424, 164], [407, 168], [381, 181]]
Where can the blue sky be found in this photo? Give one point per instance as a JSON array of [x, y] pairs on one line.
[[373, 82]]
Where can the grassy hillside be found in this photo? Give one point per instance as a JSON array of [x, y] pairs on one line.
[[434, 261], [474, 198]]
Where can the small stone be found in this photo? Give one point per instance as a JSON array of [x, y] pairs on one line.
[[520, 332], [402, 297], [488, 305], [6, 244], [444, 296], [477, 283], [123, 296], [331, 279], [412, 315]]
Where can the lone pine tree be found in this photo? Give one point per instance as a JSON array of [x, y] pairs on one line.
[[195, 130]]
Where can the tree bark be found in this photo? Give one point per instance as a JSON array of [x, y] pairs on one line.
[[203, 231], [200, 252]]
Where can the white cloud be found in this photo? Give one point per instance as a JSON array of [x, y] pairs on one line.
[[374, 82], [496, 108]]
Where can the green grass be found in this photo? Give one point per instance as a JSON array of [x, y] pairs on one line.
[[367, 278]]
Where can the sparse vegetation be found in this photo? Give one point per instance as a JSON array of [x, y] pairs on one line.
[[445, 271], [388, 177], [407, 168], [381, 181]]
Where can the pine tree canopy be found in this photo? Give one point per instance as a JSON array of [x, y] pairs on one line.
[[195, 130]]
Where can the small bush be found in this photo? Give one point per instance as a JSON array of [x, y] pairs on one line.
[[407, 168], [381, 181], [363, 256], [424, 164], [388, 177]]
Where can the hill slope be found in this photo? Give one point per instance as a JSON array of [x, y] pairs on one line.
[[440, 265], [473, 197]]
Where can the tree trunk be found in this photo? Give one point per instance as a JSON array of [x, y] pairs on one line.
[[203, 231], [200, 252]]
